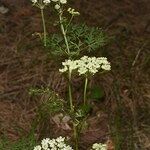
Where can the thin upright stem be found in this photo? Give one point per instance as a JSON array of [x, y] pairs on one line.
[[85, 90], [44, 26], [63, 31], [75, 134], [68, 52], [70, 92]]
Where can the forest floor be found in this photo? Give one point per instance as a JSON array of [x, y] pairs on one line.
[[122, 117]]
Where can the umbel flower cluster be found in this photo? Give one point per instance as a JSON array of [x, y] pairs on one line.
[[86, 65], [99, 146], [44, 1], [73, 12], [53, 144], [48, 1]]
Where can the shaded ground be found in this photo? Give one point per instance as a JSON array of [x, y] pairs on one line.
[[124, 113]]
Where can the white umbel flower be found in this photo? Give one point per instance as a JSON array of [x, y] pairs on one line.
[[45, 143], [60, 139], [57, 6], [63, 1], [38, 147], [106, 66], [46, 1], [34, 1], [69, 65], [99, 146], [54, 0], [53, 144], [86, 65]]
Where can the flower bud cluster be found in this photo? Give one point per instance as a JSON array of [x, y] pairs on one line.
[[73, 12], [48, 1], [86, 65], [44, 1], [53, 144], [99, 146]]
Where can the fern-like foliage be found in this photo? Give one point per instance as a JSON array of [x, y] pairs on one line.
[[81, 38]]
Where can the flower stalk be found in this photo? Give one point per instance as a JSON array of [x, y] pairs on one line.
[[85, 90], [63, 31], [70, 92], [68, 52], [75, 134]]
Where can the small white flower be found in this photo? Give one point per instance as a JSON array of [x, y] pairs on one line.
[[46, 1], [60, 139], [67, 148], [45, 143], [34, 1], [52, 143], [99, 146], [61, 145], [69, 65], [82, 70], [63, 1], [96, 146], [57, 6], [54, 0], [106, 67], [38, 147], [63, 69]]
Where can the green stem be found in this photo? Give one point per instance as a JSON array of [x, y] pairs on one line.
[[75, 130], [63, 31], [68, 52], [75, 134], [44, 27], [70, 92], [85, 90]]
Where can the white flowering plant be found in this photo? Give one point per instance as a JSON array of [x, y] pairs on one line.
[[77, 37], [72, 43], [53, 144], [86, 67]]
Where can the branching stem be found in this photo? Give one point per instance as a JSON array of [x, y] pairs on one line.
[[63, 31]]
